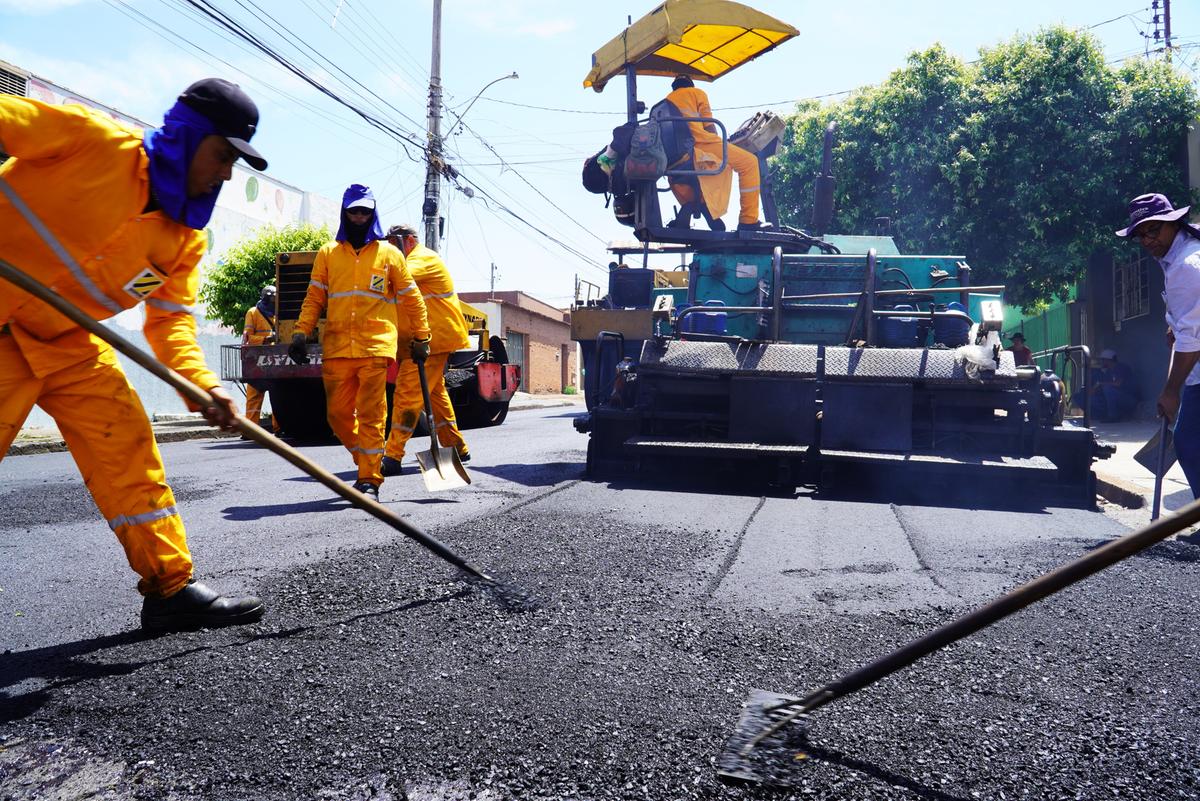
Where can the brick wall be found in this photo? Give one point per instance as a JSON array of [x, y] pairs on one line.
[[547, 338]]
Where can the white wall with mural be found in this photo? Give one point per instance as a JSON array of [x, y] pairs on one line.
[[249, 201]]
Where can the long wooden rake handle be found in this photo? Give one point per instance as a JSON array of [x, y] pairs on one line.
[[203, 399], [1045, 585]]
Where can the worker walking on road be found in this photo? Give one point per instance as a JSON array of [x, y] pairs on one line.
[[360, 280], [109, 216], [693, 102], [449, 333], [259, 329]]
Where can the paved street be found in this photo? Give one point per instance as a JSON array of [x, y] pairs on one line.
[[378, 675]]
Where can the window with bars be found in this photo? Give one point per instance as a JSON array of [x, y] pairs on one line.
[[1131, 289]]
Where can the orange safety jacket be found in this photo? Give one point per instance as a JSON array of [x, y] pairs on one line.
[[86, 177], [362, 291], [446, 321], [693, 102], [257, 327]]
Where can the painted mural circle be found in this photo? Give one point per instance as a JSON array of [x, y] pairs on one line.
[[251, 188]]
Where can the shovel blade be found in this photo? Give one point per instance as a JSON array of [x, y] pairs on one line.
[[443, 472], [778, 760]]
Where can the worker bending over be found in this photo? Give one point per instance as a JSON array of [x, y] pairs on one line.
[[109, 216], [449, 329], [360, 280], [259, 329], [693, 102]]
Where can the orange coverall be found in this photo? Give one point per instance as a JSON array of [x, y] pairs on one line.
[[255, 332], [449, 331], [693, 102], [360, 292], [87, 178]]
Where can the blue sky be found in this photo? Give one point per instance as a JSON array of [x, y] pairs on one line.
[[135, 55]]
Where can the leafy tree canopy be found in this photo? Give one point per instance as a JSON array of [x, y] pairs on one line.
[[1022, 161], [234, 284]]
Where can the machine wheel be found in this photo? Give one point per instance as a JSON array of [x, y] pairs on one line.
[[482, 414], [299, 406]]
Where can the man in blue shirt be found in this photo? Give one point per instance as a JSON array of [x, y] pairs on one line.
[[1164, 232]]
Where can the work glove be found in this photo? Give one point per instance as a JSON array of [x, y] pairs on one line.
[[298, 350], [419, 349]]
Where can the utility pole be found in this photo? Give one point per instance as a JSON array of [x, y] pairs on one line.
[[1162, 26], [492, 293], [433, 158], [1167, 28]]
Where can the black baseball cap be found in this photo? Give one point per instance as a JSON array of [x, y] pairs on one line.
[[229, 109]]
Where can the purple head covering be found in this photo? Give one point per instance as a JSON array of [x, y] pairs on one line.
[[1145, 208], [171, 149], [359, 192]]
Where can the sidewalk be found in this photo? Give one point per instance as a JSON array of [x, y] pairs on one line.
[[1123, 481], [179, 427]]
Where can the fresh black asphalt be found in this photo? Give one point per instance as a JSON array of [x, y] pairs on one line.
[[379, 674]]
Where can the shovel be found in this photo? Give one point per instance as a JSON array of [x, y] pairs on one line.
[[1157, 456], [760, 751], [508, 596], [440, 467]]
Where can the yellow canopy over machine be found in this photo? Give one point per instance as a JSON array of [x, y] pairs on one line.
[[703, 39]]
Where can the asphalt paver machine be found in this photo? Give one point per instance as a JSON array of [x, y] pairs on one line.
[[798, 357]]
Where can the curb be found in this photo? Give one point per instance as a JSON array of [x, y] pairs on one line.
[[1121, 492], [555, 405], [160, 436]]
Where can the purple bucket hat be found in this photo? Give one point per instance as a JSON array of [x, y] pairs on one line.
[[1145, 208]]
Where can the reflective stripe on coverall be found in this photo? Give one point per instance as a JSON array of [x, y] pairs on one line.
[[255, 332], [86, 177], [361, 293], [449, 333], [693, 102]]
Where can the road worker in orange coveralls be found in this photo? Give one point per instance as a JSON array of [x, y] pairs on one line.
[[364, 285], [259, 329], [693, 102], [449, 333], [109, 216]]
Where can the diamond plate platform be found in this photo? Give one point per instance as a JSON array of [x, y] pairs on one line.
[[728, 358], [913, 364]]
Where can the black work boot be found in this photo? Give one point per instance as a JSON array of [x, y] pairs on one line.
[[464, 456], [197, 606], [391, 467], [368, 489]]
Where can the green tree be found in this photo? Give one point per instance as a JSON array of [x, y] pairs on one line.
[[234, 284], [1022, 160]]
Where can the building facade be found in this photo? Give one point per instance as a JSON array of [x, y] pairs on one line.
[[537, 337], [248, 202]]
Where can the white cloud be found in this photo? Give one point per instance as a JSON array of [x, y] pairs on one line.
[[142, 83]]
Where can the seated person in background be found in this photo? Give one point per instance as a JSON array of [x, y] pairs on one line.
[[693, 102], [1021, 354], [1113, 393]]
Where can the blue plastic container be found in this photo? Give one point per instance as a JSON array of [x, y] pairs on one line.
[[898, 332], [706, 322], [951, 332]]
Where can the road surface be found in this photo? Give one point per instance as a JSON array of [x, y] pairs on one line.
[[378, 674]]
